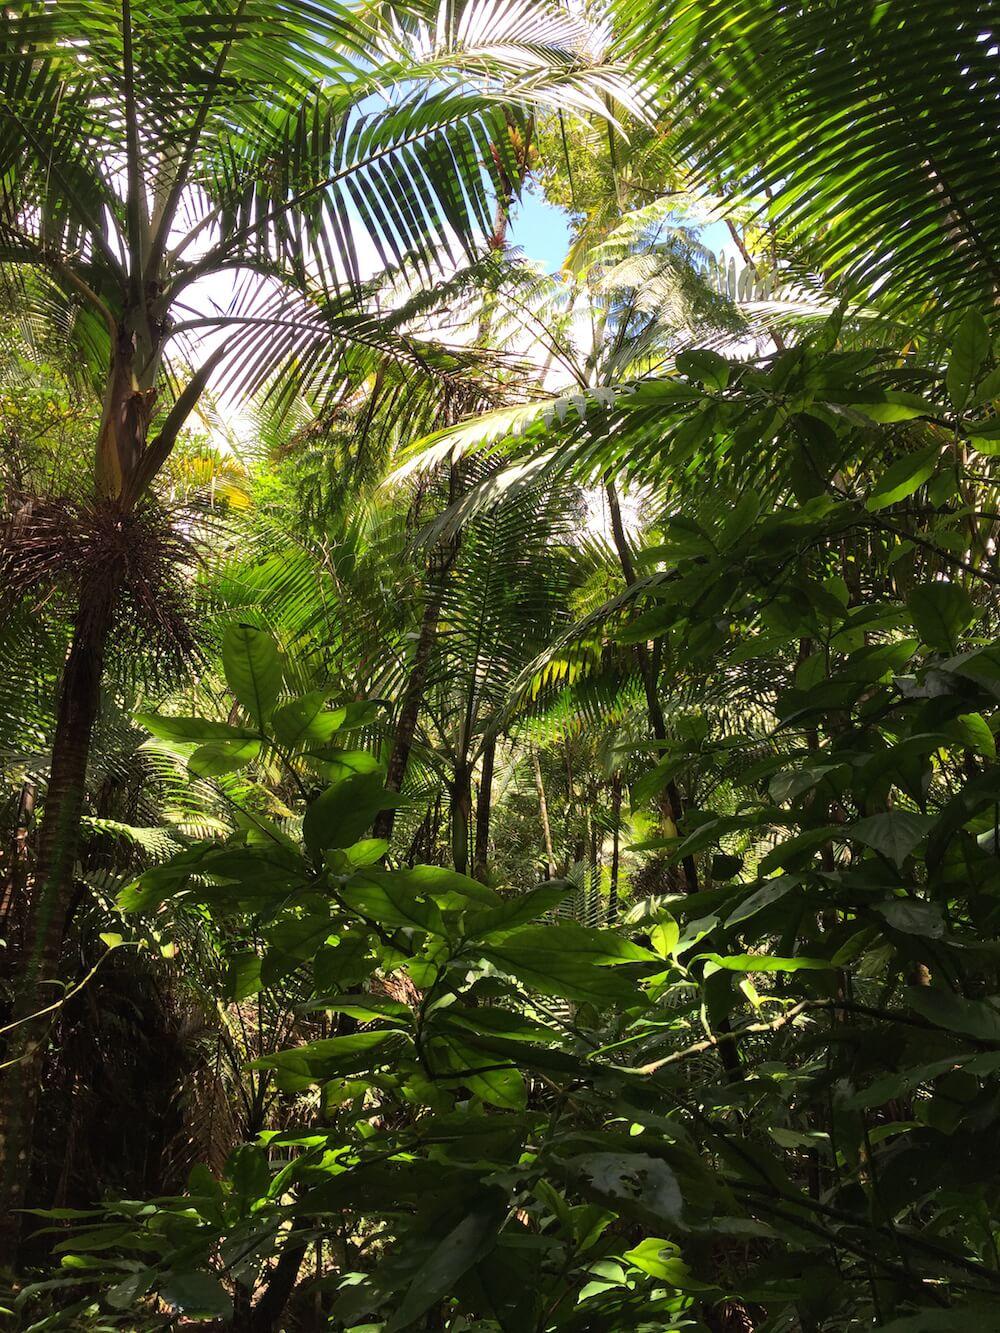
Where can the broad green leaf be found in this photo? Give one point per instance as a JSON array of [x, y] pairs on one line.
[[903, 478], [301, 936], [633, 1183], [765, 962], [365, 1008], [973, 731], [497, 1082], [496, 1023], [968, 352], [940, 612], [329, 1057], [893, 406], [570, 961], [768, 893], [243, 976], [701, 363], [252, 664], [366, 852], [913, 917], [898, 1084], [988, 389], [307, 720], [125, 1294], [344, 812], [517, 910], [468, 1241], [219, 757], [191, 730], [198, 1294], [604, 948], [985, 436], [660, 1259], [945, 1009], [664, 937], [384, 897], [248, 1170], [894, 833], [360, 713], [450, 890], [787, 852]]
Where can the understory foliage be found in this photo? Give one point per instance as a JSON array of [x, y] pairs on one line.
[[538, 863]]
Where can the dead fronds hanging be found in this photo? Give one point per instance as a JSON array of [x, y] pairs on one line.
[[132, 564]]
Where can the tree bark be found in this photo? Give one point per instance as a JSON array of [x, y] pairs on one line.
[[484, 802], [728, 1053], [438, 568], [616, 819], [13, 903], [45, 921], [674, 803], [543, 812], [409, 712], [461, 817]]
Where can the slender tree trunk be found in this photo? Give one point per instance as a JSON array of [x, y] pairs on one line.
[[616, 820], [409, 712], [543, 811], [438, 569], [594, 860], [728, 1053], [45, 923], [13, 902], [674, 806], [484, 803], [461, 816]]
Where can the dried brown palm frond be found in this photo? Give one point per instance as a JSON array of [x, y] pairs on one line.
[[206, 1102], [92, 551]]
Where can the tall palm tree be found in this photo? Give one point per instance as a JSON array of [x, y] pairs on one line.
[[196, 183]]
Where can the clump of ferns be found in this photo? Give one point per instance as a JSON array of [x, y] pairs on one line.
[[88, 558]]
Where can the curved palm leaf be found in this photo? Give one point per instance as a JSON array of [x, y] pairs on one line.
[[866, 132]]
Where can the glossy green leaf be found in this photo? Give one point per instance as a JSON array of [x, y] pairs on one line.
[[940, 612], [903, 478], [660, 1259], [968, 352], [894, 833], [344, 812], [945, 1009], [463, 1246], [253, 669], [218, 757], [386, 899], [765, 962], [192, 730], [197, 1294], [306, 720]]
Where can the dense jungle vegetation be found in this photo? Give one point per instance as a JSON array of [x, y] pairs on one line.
[[499, 797]]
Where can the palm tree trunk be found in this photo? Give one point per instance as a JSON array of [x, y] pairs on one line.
[[728, 1052], [674, 803], [616, 819], [409, 712], [438, 569], [47, 913], [461, 816], [543, 812], [484, 802]]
